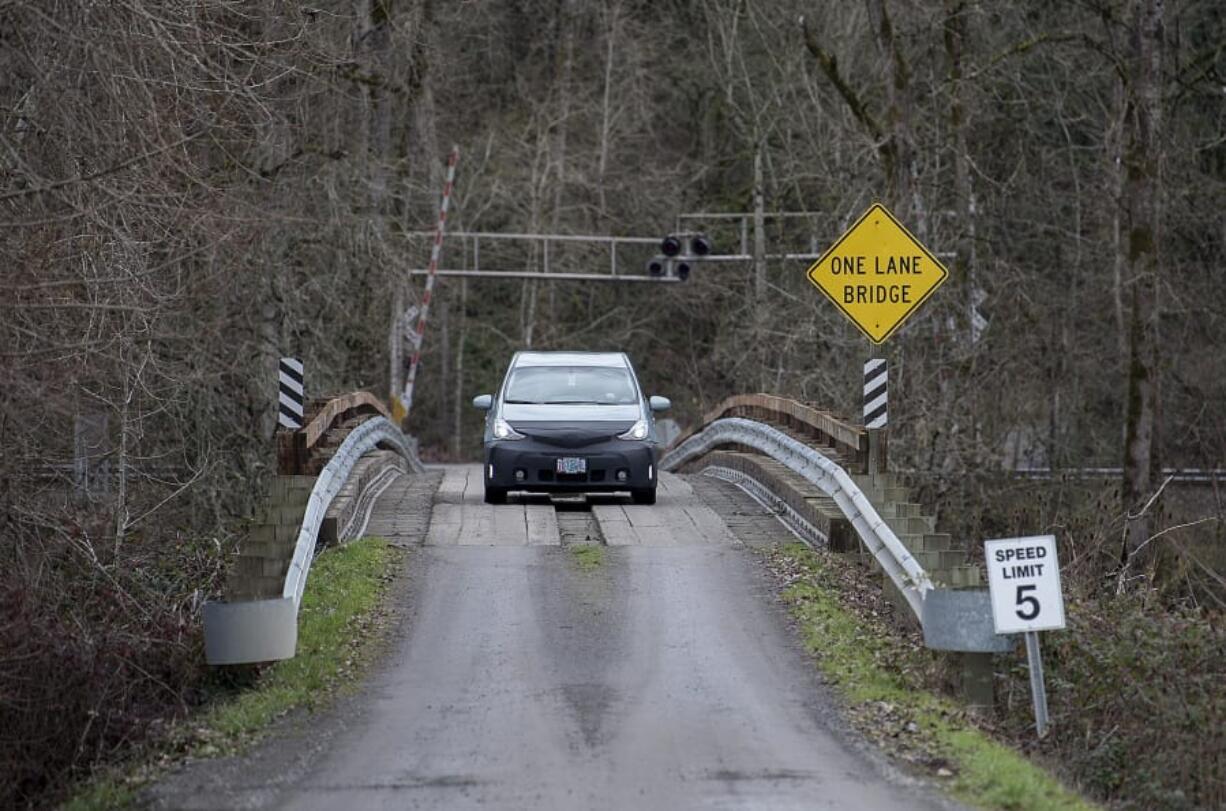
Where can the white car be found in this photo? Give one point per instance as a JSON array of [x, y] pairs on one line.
[[571, 422]]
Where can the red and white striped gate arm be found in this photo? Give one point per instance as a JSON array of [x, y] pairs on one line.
[[406, 398]]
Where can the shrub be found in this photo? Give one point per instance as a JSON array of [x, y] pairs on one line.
[[94, 654], [1137, 695]]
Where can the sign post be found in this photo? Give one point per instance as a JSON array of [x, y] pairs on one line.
[[876, 415], [291, 395], [1038, 687], [1024, 581]]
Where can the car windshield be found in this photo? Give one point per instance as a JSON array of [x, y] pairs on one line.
[[558, 385]]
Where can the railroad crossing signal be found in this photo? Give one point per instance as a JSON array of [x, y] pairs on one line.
[[678, 253], [877, 273]]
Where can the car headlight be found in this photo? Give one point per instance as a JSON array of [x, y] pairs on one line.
[[503, 430], [637, 431]]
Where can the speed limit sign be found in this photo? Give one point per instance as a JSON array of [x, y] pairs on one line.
[[1024, 579]]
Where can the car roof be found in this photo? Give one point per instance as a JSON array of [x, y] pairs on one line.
[[570, 359]]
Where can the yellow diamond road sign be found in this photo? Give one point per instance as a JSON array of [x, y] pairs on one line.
[[878, 274]]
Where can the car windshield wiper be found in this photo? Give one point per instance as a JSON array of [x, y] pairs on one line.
[[574, 402], [524, 402]]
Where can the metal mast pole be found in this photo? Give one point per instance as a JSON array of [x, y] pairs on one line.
[[406, 399]]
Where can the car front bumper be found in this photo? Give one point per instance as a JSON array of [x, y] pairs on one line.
[[528, 464]]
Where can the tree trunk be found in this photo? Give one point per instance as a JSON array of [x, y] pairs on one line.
[[121, 454], [964, 196], [1115, 153], [759, 229], [606, 112], [759, 265], [904, 195], [377, 38], [1139, 203]]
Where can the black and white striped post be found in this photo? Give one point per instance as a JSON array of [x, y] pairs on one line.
[[876, 414], [291, 395]]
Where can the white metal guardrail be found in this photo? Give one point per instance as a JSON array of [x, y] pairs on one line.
[[898, 563], [267, 630], [375, 432]]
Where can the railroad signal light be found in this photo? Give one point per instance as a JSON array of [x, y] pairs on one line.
[[669, 267], [688, 243], [678, 252]]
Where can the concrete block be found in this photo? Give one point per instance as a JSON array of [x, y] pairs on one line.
[[912, 525], [253, 587], [951, 558], [876, 481], [284, 534], [971, 575], [901, 509], [286, 514], [291, 488], [259, 567], [266, 549], [262, 534], [896, 494], [976, 682]]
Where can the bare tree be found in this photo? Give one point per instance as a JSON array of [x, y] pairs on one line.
[[1139, 203]]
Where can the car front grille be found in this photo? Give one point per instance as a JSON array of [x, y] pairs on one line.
[[560, 440], [545, 475]]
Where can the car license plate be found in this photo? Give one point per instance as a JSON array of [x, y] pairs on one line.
[[572, 464]]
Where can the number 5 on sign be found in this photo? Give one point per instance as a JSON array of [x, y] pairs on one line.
[[1024, 579]]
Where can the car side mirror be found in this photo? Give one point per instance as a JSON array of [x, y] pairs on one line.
[[660, 403], [483, 402]]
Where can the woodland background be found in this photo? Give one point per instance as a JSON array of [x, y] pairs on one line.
[[189, 190]]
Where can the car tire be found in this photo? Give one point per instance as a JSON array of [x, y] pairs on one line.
[[495, 495], [643, 495]]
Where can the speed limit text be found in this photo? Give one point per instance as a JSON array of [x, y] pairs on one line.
[[1016, 570]]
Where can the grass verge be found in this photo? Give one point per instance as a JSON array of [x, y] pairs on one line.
[[878, 676], [335, 624]]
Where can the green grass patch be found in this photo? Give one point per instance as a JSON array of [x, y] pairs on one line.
[[344, 589], [344, 585], [103, 794], [588, 556], [864, 665]]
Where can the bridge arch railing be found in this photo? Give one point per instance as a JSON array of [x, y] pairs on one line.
[[325, 454], [908, 576], [843, 440], [944, 596]]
